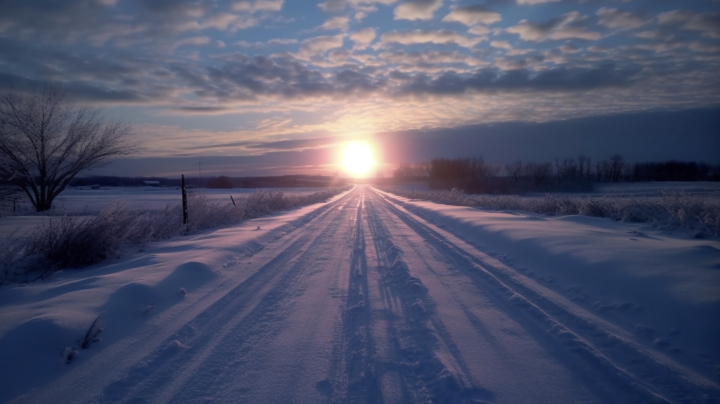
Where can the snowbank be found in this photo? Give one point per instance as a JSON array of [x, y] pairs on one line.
[[39, 321], [663, 287]]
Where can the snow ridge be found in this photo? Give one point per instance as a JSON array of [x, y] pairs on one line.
[[414, 336], [649, 376]]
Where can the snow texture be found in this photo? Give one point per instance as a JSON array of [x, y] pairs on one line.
[[371, 297]]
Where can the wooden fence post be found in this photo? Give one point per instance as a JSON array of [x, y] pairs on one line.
[[184, 203]]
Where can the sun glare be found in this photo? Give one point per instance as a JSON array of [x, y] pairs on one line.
[[357, 158]]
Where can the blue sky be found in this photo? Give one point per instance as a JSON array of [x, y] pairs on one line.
[[285, 83]]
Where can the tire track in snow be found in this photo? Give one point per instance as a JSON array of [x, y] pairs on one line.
[[85, 384], [353, 377], [412, 320], [227, 330], [622, 363], [483, 339]]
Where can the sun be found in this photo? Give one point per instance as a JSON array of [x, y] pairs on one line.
[[357, 158]]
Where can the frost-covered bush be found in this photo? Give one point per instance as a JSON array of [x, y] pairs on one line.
[[73, 241], [68, 241], [12, 262], [672, 211], [693, 213]]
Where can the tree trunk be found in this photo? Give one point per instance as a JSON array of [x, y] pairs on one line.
[[43, 205]]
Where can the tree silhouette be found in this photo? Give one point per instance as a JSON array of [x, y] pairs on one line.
[[46, 139]]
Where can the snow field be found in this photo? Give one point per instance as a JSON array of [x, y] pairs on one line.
[[83, 201], [607, 349], [72, 241], [687, 206], [39, 319], [372, 297]]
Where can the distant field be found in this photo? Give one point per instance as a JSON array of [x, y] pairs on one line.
[[89, 202], [650, 189], [691, 206], [709, 190]]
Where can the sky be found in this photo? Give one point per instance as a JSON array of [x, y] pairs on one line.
[[278, 87]]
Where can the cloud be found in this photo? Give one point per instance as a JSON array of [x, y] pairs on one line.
[[193, 41], [362, 38], [362, 12], [366, 6], [175, 8], [266, 44], [417, 9], [319, 45], [569, 48], [440, 37], [501, 45], [616, 19], [80, 90], [246, 78], [490, 80], [566, 26], [335, 23], [282, 41], [153, 25], [649, 34], [701, 47], [430, 60], [472, 15], [50, 20], [707, 24], [479, 30], [338, 57], [533, 2], [333, 5], [296, 144], [348, 81], [220, 21], [258, 6], [202, 110]]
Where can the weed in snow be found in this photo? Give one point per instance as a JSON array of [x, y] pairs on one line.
[[93, 333], [175, 344], [672, 211], [69, 354], [69, 242]]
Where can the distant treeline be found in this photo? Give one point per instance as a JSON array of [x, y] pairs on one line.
[[473, 175], [285, 181]]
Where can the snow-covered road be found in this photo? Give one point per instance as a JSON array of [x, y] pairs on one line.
[[362, 300]]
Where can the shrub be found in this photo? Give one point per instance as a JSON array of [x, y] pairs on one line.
[[93, 333], [671, 212], [68, 241]]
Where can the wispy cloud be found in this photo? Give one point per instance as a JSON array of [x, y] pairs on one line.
[[336, 23], [442, 37], [617, 19], [258, 6], [566, 26], [472, 15], [707, 24], [319, 45], [417, 9], [363, 38]]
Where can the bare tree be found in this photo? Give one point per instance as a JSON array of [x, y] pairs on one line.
[[540, 173], [584, 164], [515, 170], [46, 140], [617, 164]]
